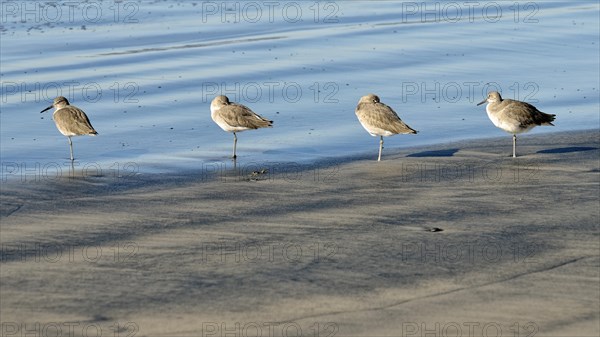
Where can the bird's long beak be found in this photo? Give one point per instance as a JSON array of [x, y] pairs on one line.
[[48, 108], [480, 103]]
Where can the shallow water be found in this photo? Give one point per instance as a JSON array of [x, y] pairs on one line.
[[145, 73]]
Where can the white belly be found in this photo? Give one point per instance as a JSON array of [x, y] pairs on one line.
[[229, 128], [374, 131], [507, 124]]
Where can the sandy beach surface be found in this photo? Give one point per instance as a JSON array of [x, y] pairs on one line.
[[154, 231], [448, 240]]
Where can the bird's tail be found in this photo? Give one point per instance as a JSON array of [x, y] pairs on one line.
[[548, 119]]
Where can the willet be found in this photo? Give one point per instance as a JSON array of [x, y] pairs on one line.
[[379, 119], [233, 117], [70, 120], [514, 116]]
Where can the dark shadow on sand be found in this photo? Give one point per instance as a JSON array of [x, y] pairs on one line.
[[569, 149], [436, 153]]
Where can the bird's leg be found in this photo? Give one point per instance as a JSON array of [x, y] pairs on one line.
[[72, 169], [380, 147], [234, 145], [514, 146], [70, 147]]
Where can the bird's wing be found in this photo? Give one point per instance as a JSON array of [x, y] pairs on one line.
[[75, 120], [240, 115], [526, 114], [383, 117]]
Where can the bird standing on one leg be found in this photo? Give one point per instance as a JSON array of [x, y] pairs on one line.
[[514, 116], [233, 117], [70, 120], [380, 120]]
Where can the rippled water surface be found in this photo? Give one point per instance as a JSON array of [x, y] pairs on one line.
[[145, 73]]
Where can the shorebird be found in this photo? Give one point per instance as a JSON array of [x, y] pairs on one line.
[[379, 119], [70, 120], [514, 116], [233, 117]]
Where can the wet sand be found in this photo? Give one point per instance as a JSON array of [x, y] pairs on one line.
[[453, 239]]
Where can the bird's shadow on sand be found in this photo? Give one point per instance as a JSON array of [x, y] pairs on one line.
[[569, 149], [436, 153]]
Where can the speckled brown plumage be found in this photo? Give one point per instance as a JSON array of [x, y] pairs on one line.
[[70, 120], [380, 120], [233, 117]]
